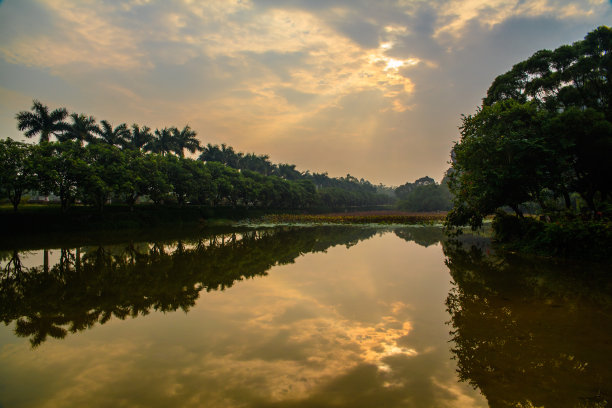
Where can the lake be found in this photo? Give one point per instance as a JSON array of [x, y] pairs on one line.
[[334, 316]]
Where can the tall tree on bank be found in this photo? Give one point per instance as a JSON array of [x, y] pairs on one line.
[[185, 139], [544, 128], [39, 121]]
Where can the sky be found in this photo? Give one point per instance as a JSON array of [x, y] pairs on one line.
[[375, 89]]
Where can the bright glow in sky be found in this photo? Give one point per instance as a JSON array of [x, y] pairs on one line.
[[374, 89]]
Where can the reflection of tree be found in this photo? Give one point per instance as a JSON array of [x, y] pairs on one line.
[[424, 236], [91, 285], [530, 332]]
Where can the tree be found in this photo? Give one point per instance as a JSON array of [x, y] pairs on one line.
[[211, 153], [132, 180], [61, 169], [185, 139], [180, 176], [287, 171], [119, 136], [544, 128], [40, 121], [155, 177], [202, 187], [105, 171], [82, 129], [139, 137], [17, 172], [258, 163], [502, 159], [402, 192], [162, 142], [427, 197]]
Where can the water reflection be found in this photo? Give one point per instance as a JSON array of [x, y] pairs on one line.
[[531, 332], [345, 316], [90, 285], [356, 322]]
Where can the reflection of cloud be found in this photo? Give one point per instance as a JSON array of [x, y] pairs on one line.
[[335, 327]]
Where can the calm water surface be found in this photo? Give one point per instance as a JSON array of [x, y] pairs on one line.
[[310, 317]]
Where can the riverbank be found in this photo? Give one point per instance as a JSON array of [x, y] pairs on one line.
[[47, 220], [359, 217]]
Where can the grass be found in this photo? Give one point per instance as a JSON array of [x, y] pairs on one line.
[[366, 217]]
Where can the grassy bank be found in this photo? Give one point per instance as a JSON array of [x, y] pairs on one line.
[[366, 217]]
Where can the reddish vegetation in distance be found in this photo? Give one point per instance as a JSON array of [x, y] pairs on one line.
[[364, 217]]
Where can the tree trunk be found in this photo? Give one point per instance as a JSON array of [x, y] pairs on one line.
[[568, 201], [46, 260], [589, 198], [15, 198], [78, 260], [517, 210]]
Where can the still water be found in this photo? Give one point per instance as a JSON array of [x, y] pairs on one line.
[[301, 317]]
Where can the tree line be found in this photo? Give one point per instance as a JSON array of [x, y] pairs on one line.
[[77, 159]]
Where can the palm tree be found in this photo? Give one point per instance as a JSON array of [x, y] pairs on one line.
[[117, 137], [41, 121], [161, 143], [230, 157], [185, 139], [82, 129], [211, 153], [139, 137]]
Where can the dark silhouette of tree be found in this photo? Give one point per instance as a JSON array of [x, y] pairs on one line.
[[40, 122], [82, 129], [139, 137], [119, 136], [162, 142], [185, 139]]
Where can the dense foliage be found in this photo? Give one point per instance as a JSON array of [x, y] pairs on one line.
[[424, 195], [567, 238], [97, 164], [542, 135]]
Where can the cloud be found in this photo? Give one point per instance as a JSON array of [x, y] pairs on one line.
[[81, 38], [273, 76]]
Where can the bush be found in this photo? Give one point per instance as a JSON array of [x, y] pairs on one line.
[[567, 238]]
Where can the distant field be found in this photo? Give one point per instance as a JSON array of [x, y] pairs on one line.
[[365, 217]]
